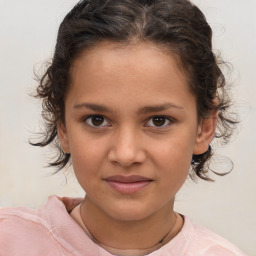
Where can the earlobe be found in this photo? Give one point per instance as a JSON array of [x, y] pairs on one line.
[[205, 133], [63, 137]]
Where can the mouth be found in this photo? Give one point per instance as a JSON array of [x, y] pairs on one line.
[[127, 184]]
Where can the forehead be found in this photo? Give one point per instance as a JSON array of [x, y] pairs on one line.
[[138, 71], [107, 55]]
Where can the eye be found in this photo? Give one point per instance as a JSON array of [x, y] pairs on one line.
[[96, 121], [159, 121]]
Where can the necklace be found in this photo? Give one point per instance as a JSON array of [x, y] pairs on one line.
[[154, 247]]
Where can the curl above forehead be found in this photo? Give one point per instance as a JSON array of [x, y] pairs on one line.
[[176, 23]]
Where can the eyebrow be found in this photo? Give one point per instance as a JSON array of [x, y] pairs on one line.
[[159, 108], [94, 107], [143, 110]]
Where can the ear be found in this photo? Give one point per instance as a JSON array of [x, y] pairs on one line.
[[205, 133], [63, 137]]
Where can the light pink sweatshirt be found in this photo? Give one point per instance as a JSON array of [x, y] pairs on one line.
[[51, 231]]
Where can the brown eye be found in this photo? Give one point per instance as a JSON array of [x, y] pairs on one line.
[[96, 121], [159, 121]]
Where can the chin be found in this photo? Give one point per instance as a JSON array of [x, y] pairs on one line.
[[129, 213]]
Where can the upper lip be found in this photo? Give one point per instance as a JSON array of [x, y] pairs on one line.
[[127, 179]]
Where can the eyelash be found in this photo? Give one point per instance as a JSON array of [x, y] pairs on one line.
[[166, 119], [95, 116]]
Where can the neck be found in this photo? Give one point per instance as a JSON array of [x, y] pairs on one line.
[[152, 231]]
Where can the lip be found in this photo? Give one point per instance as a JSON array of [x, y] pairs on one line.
[[128, 184]]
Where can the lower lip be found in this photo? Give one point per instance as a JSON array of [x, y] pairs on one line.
[[128, 188]]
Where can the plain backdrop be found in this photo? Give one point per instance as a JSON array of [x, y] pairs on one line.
[[27, 38]]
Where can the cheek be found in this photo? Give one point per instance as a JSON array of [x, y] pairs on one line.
[[86, 166], [173, 151], [172, 170], [87, 157], [173, 158]]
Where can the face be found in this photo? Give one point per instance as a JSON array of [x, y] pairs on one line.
[[131, 128]]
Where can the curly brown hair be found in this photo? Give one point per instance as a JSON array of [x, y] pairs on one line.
[[178, 25]]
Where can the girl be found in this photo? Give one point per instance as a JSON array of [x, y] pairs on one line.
[[131, 100]]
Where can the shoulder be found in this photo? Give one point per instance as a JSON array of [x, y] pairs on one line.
[[24, 230], [31, 231], [203, 241]]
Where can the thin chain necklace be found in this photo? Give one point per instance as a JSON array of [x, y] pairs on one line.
[[96, 241]]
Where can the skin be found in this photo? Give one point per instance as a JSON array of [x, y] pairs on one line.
[[127, 81]]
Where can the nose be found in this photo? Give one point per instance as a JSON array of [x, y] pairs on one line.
[[127, 148]]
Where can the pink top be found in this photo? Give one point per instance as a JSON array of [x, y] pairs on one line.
[[51, 231]]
